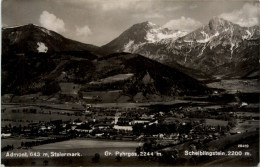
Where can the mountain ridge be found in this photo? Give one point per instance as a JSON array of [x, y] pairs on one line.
[[76, 72], [213, 45], [140, 34], [29, 37]]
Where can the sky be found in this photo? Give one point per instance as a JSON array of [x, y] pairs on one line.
[[100, 21]]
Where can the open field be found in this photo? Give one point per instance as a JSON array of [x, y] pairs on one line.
[[214, 122], [20, 114], [87, 147], [59, 106], [237, 85], [69, 88], [106, 96], [246, 126], [89, 143], [14, 141], [115, 78], [24, 119]]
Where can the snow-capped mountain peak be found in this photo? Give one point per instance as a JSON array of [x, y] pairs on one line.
[[218, 43], [151, 24], [141, 34], [157, 34]]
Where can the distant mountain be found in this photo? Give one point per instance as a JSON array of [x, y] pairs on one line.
[[120, 77], [135, 74], [36, 39], [36, 60], [139, 35], [30, 51], [220, 49]]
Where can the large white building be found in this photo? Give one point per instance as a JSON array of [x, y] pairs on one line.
[[124, 127]]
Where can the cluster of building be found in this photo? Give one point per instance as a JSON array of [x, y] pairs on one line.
[[120, 123], [131, 123]]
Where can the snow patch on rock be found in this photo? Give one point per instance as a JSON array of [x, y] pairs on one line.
[[207, 37], [132, 47], [248, 35], [157, 34], [45, 31], [41, 47]]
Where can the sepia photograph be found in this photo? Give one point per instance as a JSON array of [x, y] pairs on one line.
[[130, 83]]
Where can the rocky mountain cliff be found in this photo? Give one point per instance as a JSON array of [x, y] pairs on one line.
[[219, 49]]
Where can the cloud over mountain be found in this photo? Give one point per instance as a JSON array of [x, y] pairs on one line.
[[247, 16], [183, 23], [50, 21], [83, 31]]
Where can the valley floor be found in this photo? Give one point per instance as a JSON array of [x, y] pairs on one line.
[[153, 134]]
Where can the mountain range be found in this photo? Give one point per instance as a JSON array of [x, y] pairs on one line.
[[36, 60], [220, 49], [145, 63]]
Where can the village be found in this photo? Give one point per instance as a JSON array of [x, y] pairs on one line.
[[172, 127]]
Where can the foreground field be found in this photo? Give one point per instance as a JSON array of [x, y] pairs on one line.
[[219, 122], [237, 85], [89, 147], [86, 147]]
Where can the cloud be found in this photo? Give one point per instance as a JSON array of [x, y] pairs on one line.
[[4, 25], [139, 5], [247, 16], [148, 15], [153, 15], [51, 22], [185, 24], [100, 4], [194, 6], [172, 8], [121, 5], [83, 31], [112, 5]]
